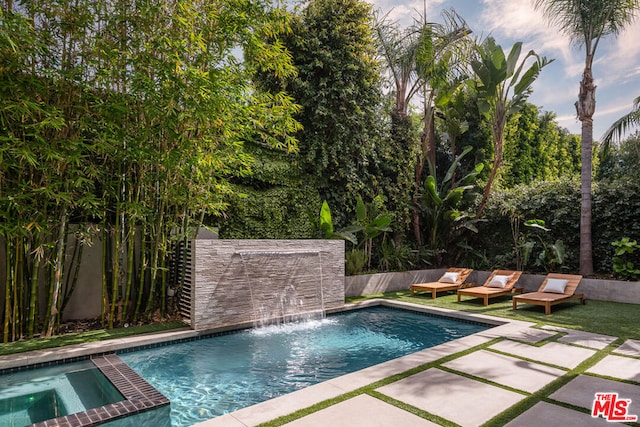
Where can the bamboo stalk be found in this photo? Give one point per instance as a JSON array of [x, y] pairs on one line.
[[115, 262], [76, 262], [104, 306], [143, 273], [17, 288], [58, 272], [7, 292], [33, 295], [130, 270]]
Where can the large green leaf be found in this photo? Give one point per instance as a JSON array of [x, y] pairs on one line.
[[381, 223], [326, 224], [512, 60], [430, 186], [344, 235], [454, 165]]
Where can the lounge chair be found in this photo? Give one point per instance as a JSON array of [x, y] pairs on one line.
[[500, 282], [451, 280], [555, 289]]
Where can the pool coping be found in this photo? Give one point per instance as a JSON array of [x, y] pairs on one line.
[[273, 408]]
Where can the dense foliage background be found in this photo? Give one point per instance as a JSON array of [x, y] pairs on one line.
[[128, 125]]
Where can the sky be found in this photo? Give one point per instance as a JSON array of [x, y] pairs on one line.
[[616, 67]]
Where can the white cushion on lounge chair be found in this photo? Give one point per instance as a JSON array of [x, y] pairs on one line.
[[449, 277], [555, 285], [498, 281]]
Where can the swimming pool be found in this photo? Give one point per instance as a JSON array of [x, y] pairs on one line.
[[209, 377], [32, 396]]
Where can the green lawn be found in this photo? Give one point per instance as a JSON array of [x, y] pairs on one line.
[[602, 317], [84, 337]]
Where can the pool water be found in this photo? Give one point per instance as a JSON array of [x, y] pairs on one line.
[[206, 378], [32, 396]]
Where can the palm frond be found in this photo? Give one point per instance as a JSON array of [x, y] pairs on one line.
[[622, 126]]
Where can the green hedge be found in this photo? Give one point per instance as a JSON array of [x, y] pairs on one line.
[[615, 210], [616, 214]]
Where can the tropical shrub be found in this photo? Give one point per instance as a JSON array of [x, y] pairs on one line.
[[545, 254], [440, 206], [625, 262], [552, 202]]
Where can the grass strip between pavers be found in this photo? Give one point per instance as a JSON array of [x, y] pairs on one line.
[[371, 390], [413, 410], [543, 394], [531, 399]]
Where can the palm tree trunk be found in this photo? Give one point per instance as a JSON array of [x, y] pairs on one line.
[[586, 252], [585, 107]]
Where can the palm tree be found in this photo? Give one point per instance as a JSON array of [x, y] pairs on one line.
[[415, 59], [623, 124], [586, 22]]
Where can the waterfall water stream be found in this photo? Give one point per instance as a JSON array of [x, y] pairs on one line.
[[284, 286]]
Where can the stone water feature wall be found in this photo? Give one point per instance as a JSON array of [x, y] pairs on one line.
[[240, 281]]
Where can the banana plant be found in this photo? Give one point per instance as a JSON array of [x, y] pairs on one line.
[[550, 256], [440, 202], [372, 223], [326, 227], [503, 87]]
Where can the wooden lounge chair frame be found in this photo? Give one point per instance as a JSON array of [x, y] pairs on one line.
[[547, 299], [485, 292], [435, 287]]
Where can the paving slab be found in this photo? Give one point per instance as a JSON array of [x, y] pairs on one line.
[[350, 382], [585, 339], [361, 411], [444, 394], [629, 348], [530, 335], [624, 368], [548, 415], [581, 392], [226, 420], [506, 370], [277, 407], [553, 353]]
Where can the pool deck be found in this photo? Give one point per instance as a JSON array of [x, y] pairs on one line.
[[551, 373]]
